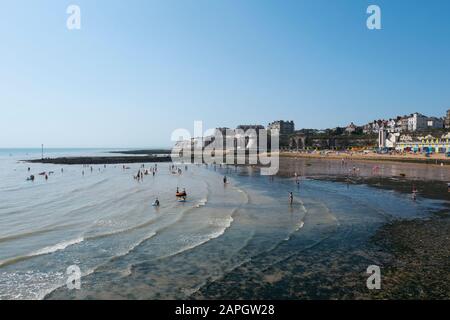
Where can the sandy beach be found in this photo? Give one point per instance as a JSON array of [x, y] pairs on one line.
[[320, 165], [433, 159]]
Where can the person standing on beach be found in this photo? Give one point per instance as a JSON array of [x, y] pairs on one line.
[[414, 192]]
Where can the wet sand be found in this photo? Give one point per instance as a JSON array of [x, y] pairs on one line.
[[435, 158], [413, 254], [416, 252], [413, 257], [420, 259], [335, 168]]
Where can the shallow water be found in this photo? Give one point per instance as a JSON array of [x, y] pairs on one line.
[[104, 223]]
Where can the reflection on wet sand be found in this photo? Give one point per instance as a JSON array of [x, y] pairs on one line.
[[335, 167]]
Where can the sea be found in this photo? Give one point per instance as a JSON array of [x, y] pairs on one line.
[[101, 220]]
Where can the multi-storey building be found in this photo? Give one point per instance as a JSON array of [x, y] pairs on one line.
[[435, 123], [447, 120], [246, 127], [418, 122], [351, 128], [283, 127]]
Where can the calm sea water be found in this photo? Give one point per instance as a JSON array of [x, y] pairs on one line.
[[104, 223]]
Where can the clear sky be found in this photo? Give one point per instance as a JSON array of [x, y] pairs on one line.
[[139, 69]]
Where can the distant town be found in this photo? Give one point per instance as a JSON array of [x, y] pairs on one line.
[[409, 133]]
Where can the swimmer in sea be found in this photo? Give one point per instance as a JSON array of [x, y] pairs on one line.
[[291, 198]]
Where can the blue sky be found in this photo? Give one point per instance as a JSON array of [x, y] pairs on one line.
[[139, 69]]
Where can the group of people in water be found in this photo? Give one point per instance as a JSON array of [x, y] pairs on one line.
[[89, 167], [145, 172], [44, 174], [181, 196], [173, 169], [47, 175]]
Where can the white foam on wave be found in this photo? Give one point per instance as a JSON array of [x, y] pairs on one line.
[[112, 223], [134, 246], [202, 203], [223, 224], [59, 246], [47, 250], [244, 193], [297, 227], [126, 272], [38, 284]]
